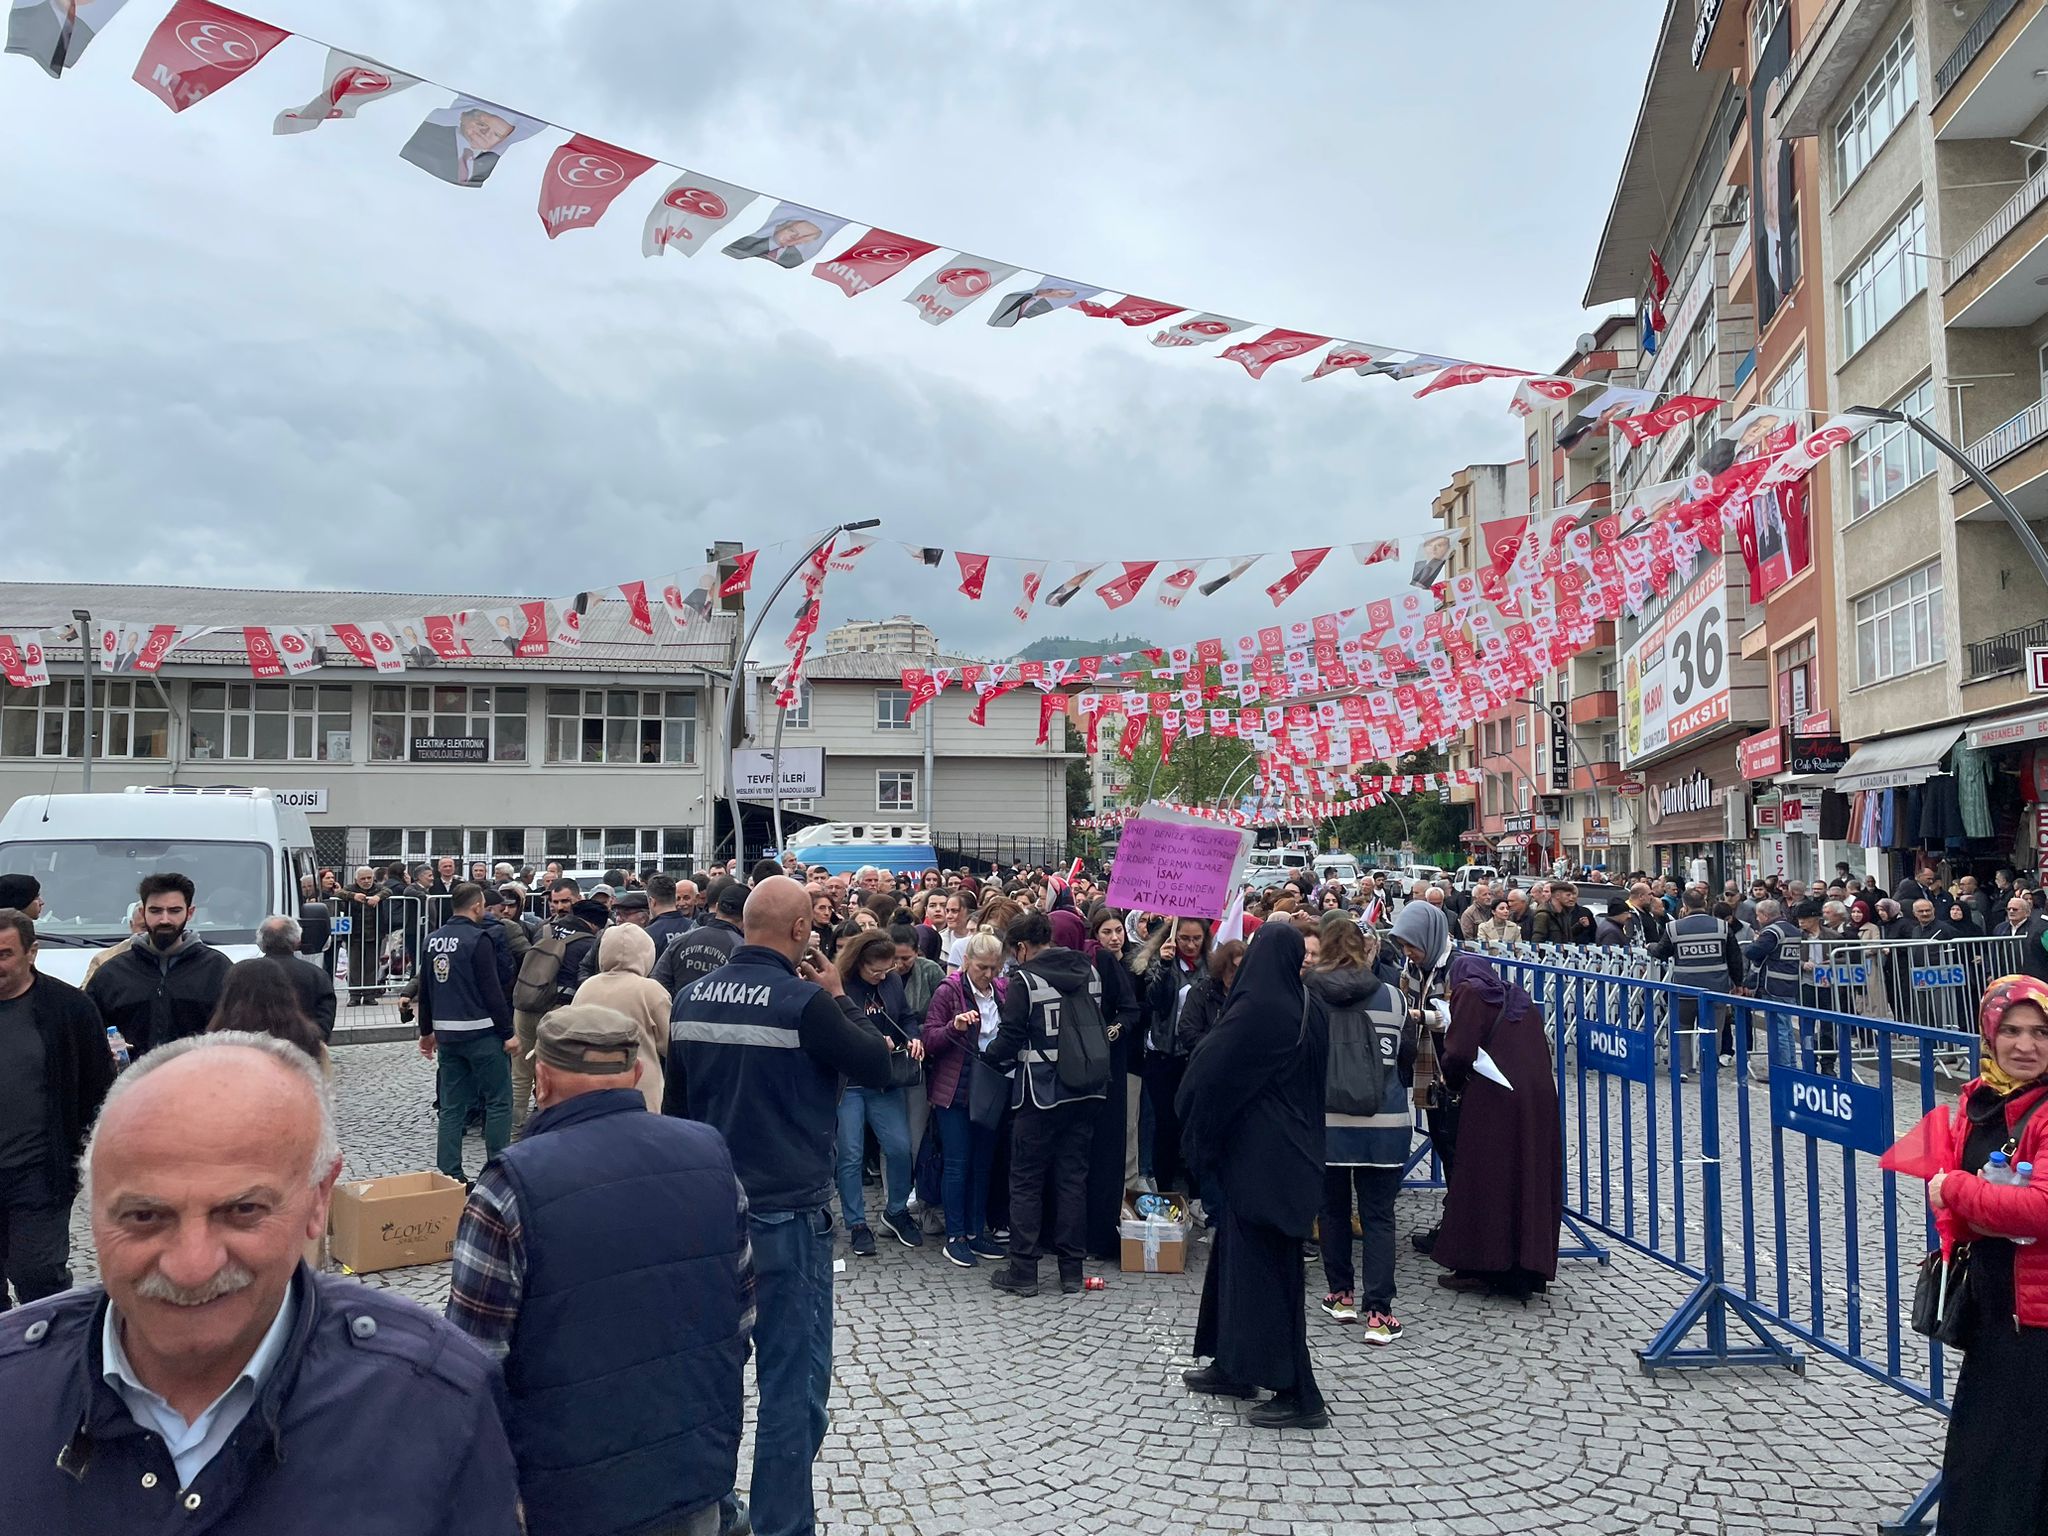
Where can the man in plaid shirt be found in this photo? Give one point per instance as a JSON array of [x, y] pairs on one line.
[[604, 1257]]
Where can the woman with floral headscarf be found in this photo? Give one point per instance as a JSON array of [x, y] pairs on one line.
[[1995, 1477]]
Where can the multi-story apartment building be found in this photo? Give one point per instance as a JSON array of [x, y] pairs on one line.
[[1735, 757]]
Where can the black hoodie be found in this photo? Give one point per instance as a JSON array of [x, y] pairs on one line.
[[1040, 990]]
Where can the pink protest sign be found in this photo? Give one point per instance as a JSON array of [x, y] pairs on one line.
[[1183, 865]]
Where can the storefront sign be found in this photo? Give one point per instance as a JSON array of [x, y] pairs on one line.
[[312, 801], [1830, 1108], [1560, 763], [450, 749], [1800, 813], [2037, 669], [1761, 756], [2008, 733], [1823, 754], [803, 772], [1820, 723], [1703, 29], [1681, 797], [1766, 814], [1617, 1050]]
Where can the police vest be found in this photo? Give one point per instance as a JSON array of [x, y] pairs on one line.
[[1780, 969], [448, 969], [1699, 952], [624, 1374], [1040, 1055]]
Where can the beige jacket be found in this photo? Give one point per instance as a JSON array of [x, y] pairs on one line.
[[625, 954]]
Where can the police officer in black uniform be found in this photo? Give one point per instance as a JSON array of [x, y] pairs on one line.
[[466, 1019], [1703, 953]]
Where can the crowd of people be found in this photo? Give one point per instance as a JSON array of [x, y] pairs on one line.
[[693, 1090]]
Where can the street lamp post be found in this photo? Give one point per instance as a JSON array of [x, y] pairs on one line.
[[86, 639], [736, 701]]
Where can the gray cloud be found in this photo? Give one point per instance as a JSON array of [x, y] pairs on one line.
[[236, 360]]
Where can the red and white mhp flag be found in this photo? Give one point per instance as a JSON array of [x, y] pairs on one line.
[[1501, 537], [125, 647], [960, 281], [973, 574], [200, 47], [1808, 451], [278, 651], [1354, 355], [690, 212], [1177, 580], [23, 661], [565, 615], [874, 258], [582, 178], [1119, 590], [1305, 563], [1030, 576], [351, 82], [634, 595], [374, 645], [1373, 554], [55, 32], [444, 635], [1529, 391], [1131, 309], [688, 597], [520, 631], [1199, 331], [1675, 412], [1275, 346], [742, 576], [1468, 373], [847, 550]]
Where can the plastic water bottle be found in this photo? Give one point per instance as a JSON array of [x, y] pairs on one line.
[[118, 1046], [1998, 1170], [2023, 1175]]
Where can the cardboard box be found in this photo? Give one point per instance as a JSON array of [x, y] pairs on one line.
[[409, 1218], [1155, 1247]]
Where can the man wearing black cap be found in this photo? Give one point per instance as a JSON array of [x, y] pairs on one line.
[[707, 946], [23, 893], [604, 1258]]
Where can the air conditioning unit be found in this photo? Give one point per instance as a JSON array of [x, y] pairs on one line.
[[1735, 803]]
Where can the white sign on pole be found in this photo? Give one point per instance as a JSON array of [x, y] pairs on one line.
[[803, 772]]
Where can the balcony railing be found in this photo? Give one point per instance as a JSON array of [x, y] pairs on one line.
[[1972, 44], [1998, 226], [2004, 653], [2002, 443], [1594, 706]]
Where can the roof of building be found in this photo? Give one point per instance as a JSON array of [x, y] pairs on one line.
[[873, 666], [610, 643]]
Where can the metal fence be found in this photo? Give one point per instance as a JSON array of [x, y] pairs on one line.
[[1763, 1187], [372, 948]]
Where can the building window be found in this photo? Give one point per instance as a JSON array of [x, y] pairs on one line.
[[1888, 456], [1880, 104], [621, 725], [402, 712], [1532, 447], [896, 791], [1610, 747], [1794, 665], [1535, 503], [1609, 675], [269, 722], [50, 721], [1763, 20], [1898, 627], [1556, 492], [1884, 280], [892, 709], [1788, 389], [798, 716], [466, 845], [1521, 730], [673, 848]]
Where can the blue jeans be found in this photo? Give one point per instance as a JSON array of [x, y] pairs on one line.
[[474, 1070], [886, 1111], [970, 1152], [793, 1361]]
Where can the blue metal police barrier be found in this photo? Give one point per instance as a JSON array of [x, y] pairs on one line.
[[1763, 1189]]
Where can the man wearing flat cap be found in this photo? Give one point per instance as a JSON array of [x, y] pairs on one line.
[[604, 1257]]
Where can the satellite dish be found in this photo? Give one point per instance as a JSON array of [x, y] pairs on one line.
[[1586, 342]]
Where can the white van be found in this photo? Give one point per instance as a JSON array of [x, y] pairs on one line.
[[1469, 875], [243, 850], [1337, 866]]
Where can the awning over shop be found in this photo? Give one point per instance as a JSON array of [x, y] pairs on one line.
[[2014, 731], [1893, 761]]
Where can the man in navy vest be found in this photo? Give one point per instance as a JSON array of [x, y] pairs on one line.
[[757, 1049], [604, 1257], [465, 1017]]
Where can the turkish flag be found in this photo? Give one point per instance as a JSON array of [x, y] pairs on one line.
[[1468, 373], [374, 645], [1926, 1149], [1120, 590], [742, 576], [1131, 309], [874, 258], [1305, 563], [444, 635], [1134, 732], [581, 181], [1674, 412], [691, 211], [973, 572], [200, 47], [1374, 553], [1257, 356], [1346, 354]]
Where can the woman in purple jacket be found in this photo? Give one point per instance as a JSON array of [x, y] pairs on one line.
[[962, 1020]]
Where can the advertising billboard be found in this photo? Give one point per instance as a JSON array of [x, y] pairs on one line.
[[1675, 678]]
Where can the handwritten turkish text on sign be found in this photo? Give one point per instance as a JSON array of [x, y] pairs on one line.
[[1181, 865]]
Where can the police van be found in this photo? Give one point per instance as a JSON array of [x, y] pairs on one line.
[[244, 850]]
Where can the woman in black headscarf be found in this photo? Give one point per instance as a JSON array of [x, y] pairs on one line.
[[1251, 1107]]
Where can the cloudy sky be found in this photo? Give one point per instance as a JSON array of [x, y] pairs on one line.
[[235, 359]]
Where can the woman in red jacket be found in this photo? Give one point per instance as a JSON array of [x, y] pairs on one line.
[[1994, 1469]]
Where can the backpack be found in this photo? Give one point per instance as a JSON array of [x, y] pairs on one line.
[[534, 990], [1362, 1062], [1083, 1064]]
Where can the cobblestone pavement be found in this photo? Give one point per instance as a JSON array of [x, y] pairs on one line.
[[955, 1409]]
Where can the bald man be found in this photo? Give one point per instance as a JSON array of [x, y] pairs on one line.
[[757, 1049], [210, 1168]]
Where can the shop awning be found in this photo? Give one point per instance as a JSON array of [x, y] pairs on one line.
[[1894, 761]]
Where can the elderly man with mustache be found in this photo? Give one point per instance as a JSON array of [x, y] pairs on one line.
[[213, 1380]]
